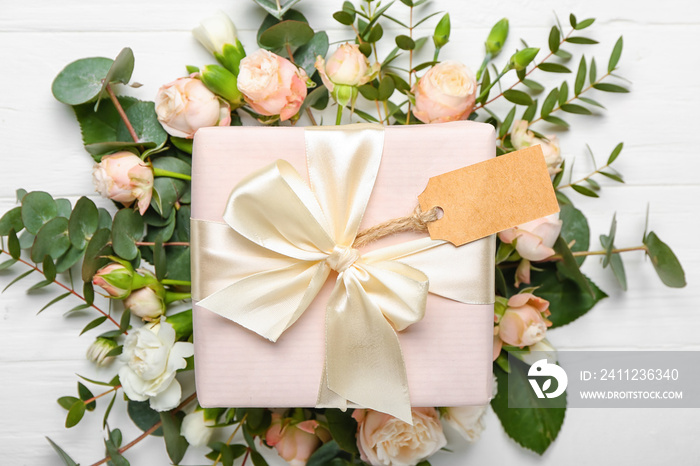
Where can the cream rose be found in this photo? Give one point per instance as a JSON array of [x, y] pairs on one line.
[[196, 429], [447, 92], [295, 442], [185, 105], [125, 178], [145, 303], [347, 67], [152, 357], [215, 32], [534, 240], [272, 85], [467, 420], [521, 138], [384, 440], [524, 322]]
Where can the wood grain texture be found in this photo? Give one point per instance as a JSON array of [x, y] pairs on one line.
[[39, 355]]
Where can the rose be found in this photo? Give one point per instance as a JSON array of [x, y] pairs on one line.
[[345, 70], [145, 303], [272, 85], [151, 358], [196, 428], [98, 351], [295, 442], [115, 279], [467, 420], [524, 321], [185, 105], [447, 92], [125, 178], [534, 239], [385, 440], [219, 36], [521, 138]]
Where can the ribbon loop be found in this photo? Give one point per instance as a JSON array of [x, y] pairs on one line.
[[342, 258]]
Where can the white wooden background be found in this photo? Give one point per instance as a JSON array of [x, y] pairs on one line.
[[658, 121]]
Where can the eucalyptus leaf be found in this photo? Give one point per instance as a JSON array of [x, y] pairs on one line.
[[127, 228], [549, 102], [81, 81], [305, 56], [580, 76], [97, 248], [271, 6], [119, 72], [615, 153], [667, 265], [608, 87], [517, 97], [616, 264], [324, 454], [38, 207], [12, 220], [54, 301], [75, 414], [144, 416], [144, 120], [615, 55], [404, 42], [583, 190], [556, 121], [581, 40], [553, 68], [575, 229], [67, 460], [577, 109], [52, 240], [343, 428], [93, 324], [83, 222], [610, 239], [69, 259], [175, 444], [49, 269], [554, 39], [288, 32]]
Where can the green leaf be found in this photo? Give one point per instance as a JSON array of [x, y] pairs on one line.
[[553, 68], [38, 286], [575, 228], [95, 323], [127, 228], [615, 55], [568, 266], [581, 40], [667, 265], [96, 249], [572, 20], [580, 76], [63, 206], [125, 320], [81, 81], [67, 460], [533, 85], [616, 264], [83, 222], [144, 120], [517, 97], [52, 240], [85, 394], [563, 54], [305, 56], [67, 402], [608, 87], [119, 72], [386, 88], [38, 208], [257, 459], [167, 191], [556, 121], [404, 42], [505, 126], [7, 264], [75, 414], [534, 427], [288, 32], [108, 410], [271, 7], [12, 220], [68, 259], [344, 17], [583, 190], [615, 153], [554, 39], [143, 416], [577, 109], [377, 14], [529, 113], [324, 454], [610, 240], [18, 278], [116, 458], [343, 428], [54, 301], [549, 102], [49, 269], [175, 444], [375, 34], [590, 101], [563, 93]]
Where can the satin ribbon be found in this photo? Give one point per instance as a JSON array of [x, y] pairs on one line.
[[282, 239]]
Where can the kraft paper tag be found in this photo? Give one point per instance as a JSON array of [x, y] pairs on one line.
[[491, 196]]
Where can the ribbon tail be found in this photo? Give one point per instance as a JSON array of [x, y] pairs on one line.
[[364, 362]]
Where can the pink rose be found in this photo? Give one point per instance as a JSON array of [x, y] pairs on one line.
[[294, 442], [384, 440], [185, 105], [272, 85], [524, 322], [534, 239], [346, 67], [145, 303], [115, 279], [447, 92], [124, 177], [521, 138]]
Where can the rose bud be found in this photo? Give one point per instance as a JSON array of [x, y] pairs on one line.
[[384, 440], [497, 37], [467, 420], [447, 92], [185, 105], [115, 279], [272, 85], [522, 58], [524, 322], [125, 178], [196, 428], [219, 36], [145, 303], [223, 83], [521, 138], [345, 70], [294, 442], [98, 351], [534, 240]]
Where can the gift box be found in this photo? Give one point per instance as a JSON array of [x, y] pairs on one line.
[[447, 354]]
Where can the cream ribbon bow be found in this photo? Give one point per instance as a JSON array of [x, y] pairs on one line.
[[313, 228]]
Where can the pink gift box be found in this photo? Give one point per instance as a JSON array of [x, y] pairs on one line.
[[448, 354]]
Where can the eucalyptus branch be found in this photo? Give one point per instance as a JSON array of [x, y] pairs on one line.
[[122, 113], [230, 439], [148, 432], [585, 178], [519, 81], [90, 400], [67, 288], [558, 257]]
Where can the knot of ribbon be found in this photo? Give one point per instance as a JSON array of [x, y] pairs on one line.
[[309, 230]]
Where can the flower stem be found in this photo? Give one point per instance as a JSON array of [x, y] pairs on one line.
[[169, 174], [230, 439], [150, 243], [572, 98], [339, 115], [569, 185], [153, 428], [175, 282], [557, 257], [116, 387], [122, 113], [410, 63], [172, 296]]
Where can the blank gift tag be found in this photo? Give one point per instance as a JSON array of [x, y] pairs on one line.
[[491, 196]]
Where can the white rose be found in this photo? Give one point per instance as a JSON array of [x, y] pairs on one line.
[[216, 31], [196, 429], [467, 420], [145, 303], [152, 358], [384, 440], [522, 138]]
